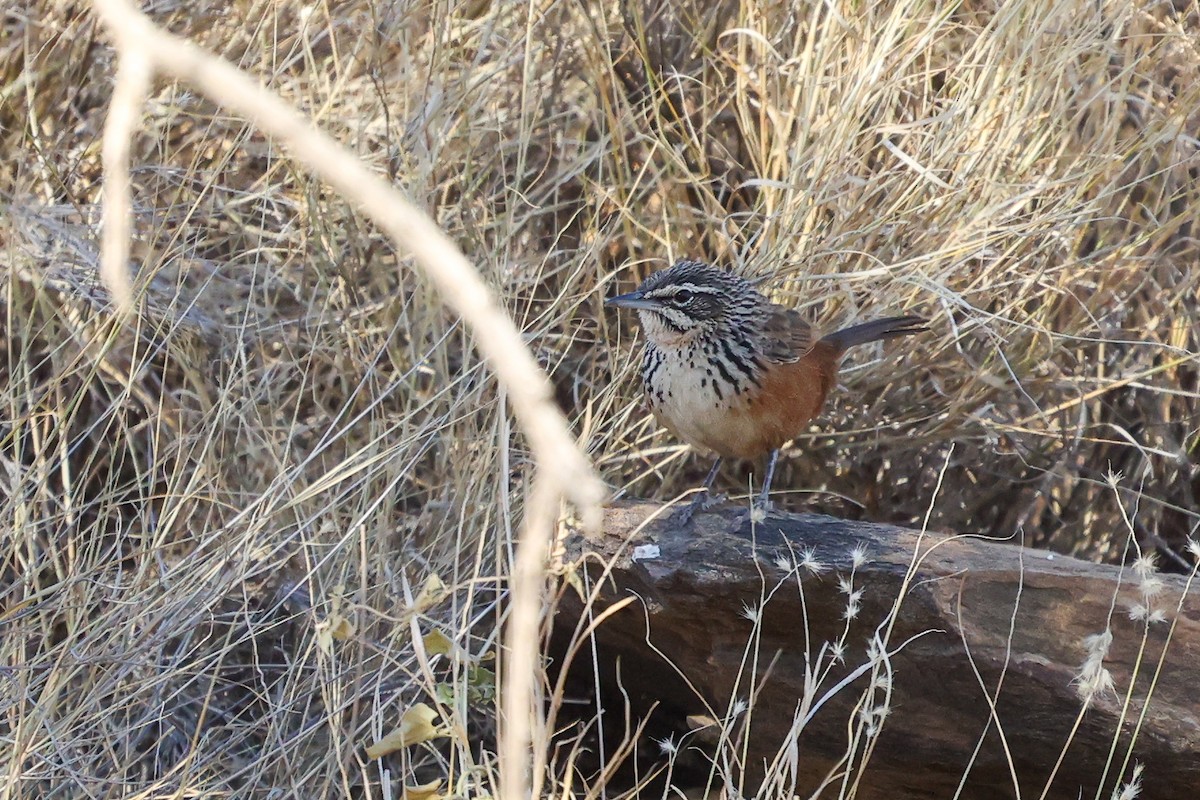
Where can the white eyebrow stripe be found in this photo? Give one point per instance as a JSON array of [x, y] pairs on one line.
[[675, 288]]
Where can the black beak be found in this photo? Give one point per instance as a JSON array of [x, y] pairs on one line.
[[633, 300]]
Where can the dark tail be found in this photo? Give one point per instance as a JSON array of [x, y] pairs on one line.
[[874, 331]]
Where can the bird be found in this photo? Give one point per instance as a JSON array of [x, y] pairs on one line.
[[732, 373]]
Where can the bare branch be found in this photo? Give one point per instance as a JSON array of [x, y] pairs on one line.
[[563, 469], [133, 80]]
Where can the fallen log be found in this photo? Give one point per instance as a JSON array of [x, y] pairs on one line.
[[983, 684]]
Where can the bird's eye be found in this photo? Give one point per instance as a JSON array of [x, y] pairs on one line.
[[684, 296]]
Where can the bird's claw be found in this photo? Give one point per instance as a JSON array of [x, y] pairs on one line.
[[703, 501]]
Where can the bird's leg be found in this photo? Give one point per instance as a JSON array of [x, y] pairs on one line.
[[705, 496], [764, 497], [702, 500]]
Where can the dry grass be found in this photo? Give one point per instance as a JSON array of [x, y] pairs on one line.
[[296, 434]]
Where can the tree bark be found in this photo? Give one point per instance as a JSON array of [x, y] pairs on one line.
[[977, 619]]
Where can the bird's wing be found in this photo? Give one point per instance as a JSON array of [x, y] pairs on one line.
[[786, 337]]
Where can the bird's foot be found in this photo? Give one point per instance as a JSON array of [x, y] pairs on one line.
[[682, 518], [703, 501]]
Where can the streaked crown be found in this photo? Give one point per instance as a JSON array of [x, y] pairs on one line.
[[689, 299]]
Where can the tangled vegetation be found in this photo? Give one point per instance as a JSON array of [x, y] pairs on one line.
[[245, 533]]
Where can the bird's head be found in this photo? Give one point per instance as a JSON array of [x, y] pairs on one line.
[[688, 300]]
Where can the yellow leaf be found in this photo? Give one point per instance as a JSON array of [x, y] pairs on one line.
[[426, 791], [333, 628], [438, 643], [416, 726], [575, 582], [432, 592], [324, 638], [340, 628], [704, 728]]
